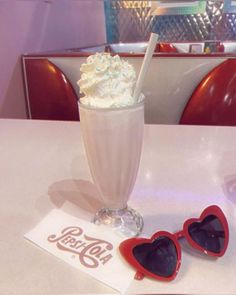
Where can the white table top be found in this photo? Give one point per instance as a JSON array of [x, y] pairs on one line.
[[183, 169]]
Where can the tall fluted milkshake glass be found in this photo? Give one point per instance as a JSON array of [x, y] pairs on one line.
[[112, 121], [113, 142]]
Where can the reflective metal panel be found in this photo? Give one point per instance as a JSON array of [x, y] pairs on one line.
[[131, 21]]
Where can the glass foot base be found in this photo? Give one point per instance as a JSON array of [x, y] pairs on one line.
[[126, 221]]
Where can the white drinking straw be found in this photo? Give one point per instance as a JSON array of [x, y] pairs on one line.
[[146, 62]]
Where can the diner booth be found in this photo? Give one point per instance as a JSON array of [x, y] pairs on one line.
[[138, 199], [173, 83], [196, 39]]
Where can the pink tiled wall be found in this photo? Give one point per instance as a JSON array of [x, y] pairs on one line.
[[36, 26]]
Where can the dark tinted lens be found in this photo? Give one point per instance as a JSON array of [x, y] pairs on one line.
[[159, 257], [209, 234]]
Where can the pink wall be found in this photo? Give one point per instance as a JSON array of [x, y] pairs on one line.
[[41, 25]]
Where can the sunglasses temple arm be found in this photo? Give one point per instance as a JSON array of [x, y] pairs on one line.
[[179, 234], [139, 276]]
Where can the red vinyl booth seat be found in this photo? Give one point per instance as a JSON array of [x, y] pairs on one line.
[[165, 47], [52, 96], [214, 100]]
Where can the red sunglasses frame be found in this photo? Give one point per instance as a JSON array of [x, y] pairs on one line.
[[127, 246]]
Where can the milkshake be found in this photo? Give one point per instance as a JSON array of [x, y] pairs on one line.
[[112, 129]]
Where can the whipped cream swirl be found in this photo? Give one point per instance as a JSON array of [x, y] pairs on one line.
[[107, 81]]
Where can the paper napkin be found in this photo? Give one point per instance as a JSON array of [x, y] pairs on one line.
[[88, 247]]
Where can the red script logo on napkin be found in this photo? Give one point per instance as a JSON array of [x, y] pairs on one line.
[[91, 251]]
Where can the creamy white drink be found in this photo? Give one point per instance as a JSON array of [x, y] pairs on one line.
[[107, 82], [112, 128]]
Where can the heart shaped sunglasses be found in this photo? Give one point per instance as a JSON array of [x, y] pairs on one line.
[[160, 256]]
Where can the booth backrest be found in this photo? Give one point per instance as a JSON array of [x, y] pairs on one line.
[[213, 102]]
